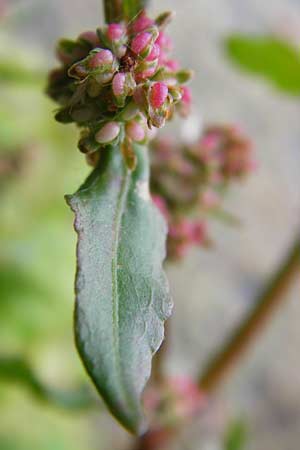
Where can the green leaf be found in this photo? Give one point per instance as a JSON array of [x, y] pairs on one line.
[[11, 72], [267, 56], [16, 369], [118, 10], [122, 296]]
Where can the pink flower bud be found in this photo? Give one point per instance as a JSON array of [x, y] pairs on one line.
[[209, 199], [164, 41], [210, 141], [188, 398], [135, 131], [118, 84], [177, 230], [186, 95], [115, 31], [141, 23], [108, 133], [154, 54], [163, 57], [147, 73], [198, 233], [90, 37], [101, 58], [172, 64], [158, 94], [186, 228], [140, 42]]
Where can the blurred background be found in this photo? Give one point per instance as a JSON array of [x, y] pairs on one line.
[[212, 289]]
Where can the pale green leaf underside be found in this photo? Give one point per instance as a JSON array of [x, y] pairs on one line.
[[122, 296]]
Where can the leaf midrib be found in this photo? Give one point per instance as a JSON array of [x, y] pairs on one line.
[[114, 268]]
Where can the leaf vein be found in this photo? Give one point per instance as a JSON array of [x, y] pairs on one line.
[[121, 202]]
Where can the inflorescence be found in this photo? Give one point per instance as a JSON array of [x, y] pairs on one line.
[[119, 84], [188, 182]]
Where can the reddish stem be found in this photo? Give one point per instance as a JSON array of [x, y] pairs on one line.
[[266, 304]]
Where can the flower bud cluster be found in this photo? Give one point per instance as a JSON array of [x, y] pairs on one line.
[[118, 83], [173, 401], [189, 182]]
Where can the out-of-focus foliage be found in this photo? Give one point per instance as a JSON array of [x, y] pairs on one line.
[[269, 57], [11, 72], [33, 216], [236, 436], [38, 165], [16, 369]]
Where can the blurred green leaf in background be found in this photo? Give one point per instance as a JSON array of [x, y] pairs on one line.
[[38, 165], [269, 57], [16, 369]]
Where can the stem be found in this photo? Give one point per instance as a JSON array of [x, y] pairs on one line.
[[133, 8], [113, 10], [270, 298], [155, 439], [118, 10]]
